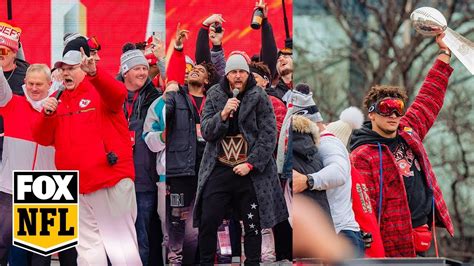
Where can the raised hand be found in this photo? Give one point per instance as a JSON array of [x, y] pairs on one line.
[[215, 37], [214, 18], [261, 4], [158, 47], [181, 35], [88, 64]]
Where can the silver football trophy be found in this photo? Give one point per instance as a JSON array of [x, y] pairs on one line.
[[430, 22]]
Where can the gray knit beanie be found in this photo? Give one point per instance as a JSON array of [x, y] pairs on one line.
[[303, 103], [235, 62], [131, 59]]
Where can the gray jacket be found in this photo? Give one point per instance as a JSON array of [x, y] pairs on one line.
[[257, 123]]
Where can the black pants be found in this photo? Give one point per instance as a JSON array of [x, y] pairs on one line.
[[182, 241], [225, 190], [283, 235]]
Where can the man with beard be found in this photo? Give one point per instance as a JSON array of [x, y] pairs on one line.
[[184, 151], [285, 71], [141, 93], [238, 169], [389, 154]]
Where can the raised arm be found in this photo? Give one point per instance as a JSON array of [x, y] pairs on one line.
[[203, 53], [176, 69], [425, 108], [5, 90], [269, 50], [112, 92], [217, 52]]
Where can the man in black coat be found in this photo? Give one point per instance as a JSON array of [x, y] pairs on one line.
[[238, 170], [184, 151]]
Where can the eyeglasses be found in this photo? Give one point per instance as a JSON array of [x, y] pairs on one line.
[[388, 106]]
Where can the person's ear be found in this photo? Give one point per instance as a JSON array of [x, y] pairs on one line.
[[371, 116]]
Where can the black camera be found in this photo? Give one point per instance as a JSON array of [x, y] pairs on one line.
[[218, 27]]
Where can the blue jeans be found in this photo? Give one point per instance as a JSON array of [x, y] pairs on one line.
[[146, 206], [356, 240]]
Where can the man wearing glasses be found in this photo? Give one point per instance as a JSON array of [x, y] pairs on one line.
[[388, 152]]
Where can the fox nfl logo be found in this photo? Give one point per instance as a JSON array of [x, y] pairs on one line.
[[45, 210]]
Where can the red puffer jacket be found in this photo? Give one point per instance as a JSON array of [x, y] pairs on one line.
[[88, 124], [395, 224]]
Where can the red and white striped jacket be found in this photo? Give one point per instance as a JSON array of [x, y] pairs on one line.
[[20, 151]]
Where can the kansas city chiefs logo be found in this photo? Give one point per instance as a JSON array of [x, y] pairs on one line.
[[84, 102]]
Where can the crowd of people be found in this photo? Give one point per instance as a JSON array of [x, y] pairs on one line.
[[181, 165]]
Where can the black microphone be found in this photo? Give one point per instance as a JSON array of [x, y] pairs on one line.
[[235, 92], [58, 94]]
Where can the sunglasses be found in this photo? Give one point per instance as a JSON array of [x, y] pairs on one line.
[[388, 106], [4, 51]]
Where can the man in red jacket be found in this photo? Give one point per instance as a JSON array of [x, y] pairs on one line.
[[90, 133], [388, 153]]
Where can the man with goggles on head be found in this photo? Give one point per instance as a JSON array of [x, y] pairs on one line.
[[388, 152]]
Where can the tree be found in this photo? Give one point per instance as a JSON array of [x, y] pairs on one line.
[[351, 45]]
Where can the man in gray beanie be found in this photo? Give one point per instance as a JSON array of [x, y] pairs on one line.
[[131, 59], [141, 93], [238, 170]]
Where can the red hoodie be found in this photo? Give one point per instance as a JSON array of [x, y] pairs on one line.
[[88, 123]]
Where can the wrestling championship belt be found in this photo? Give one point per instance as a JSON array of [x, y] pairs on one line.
[[234, 150]]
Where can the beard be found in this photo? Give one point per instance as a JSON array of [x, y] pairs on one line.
[[286, 72], [195, 83]]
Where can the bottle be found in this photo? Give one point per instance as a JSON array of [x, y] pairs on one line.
[[257, 19]]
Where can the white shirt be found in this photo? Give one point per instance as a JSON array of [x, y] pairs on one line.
[[335, 178]]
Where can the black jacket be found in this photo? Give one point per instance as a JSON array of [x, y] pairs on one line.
[[279, 90], [257, 123], [143, 159], [306, 159], [181, 137]]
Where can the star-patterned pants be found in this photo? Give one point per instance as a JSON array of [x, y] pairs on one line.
[[225, 191]]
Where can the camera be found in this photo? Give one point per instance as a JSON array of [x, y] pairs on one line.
[[112, 158], [218, 27]]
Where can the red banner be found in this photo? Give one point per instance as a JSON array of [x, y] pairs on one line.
[[44, 23], [237, 14]]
